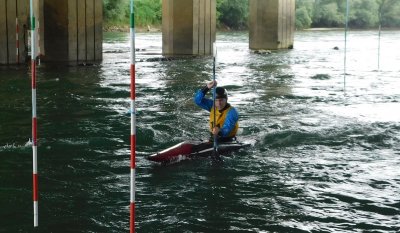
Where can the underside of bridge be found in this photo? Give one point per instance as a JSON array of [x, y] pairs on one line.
[[68, 30], [189, 26], [71, 30]]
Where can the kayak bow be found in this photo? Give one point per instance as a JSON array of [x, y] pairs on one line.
[[188, 149]]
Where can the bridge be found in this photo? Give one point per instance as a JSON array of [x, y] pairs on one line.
[[71, 30]]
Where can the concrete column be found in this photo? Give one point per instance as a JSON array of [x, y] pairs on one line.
[[73, 30], [12, 11], [3, 32], [188, 27], [39, 14], [271, 24], [56, 42], [68, 30], [23, 15]]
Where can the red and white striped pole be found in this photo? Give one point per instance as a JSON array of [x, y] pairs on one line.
[[34, 119], [17, 38], [133, 120]]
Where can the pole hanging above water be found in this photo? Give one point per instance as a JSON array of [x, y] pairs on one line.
[[133, 119], [34, 118], [345, 44], [17, 39]]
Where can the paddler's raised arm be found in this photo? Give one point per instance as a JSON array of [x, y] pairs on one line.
[[199, 97]]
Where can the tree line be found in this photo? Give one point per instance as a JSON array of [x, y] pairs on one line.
[[362, 13], [233, 14]]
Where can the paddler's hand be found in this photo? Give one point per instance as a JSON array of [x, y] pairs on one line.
[[215, 130], [211, 84]]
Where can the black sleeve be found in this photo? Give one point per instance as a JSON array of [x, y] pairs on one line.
[[205, 89]]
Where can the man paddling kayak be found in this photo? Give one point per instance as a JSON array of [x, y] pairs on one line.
[[226, 116], [226, 119]]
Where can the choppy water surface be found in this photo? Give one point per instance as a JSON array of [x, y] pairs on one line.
[[324, 160]]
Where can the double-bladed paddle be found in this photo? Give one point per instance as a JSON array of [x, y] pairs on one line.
[[215, 155]]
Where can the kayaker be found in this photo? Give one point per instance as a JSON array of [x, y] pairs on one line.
[[226, 117]]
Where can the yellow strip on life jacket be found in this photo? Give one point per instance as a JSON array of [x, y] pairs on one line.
[[220, 119]]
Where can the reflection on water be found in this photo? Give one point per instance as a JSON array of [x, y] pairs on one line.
[[324, 160]]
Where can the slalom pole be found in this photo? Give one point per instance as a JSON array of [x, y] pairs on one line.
[[379, 34], [39, 50], [17, 38], [379, 39], [34, 118], [215, 154], [133, 120], [345, 44], [379, 47]]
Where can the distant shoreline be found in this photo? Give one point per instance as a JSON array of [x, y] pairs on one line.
[[352, 29], [126, 28], [321, 29], [157, 28]]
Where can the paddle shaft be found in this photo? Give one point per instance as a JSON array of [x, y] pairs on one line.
[[215, 152], [215, 113]]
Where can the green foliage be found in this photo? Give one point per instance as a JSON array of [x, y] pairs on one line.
[[233, 13], [303, 19], [390, 11], [304, 13], [307, 4], [327, 14], [114, 11], [364, 13], [148, 12]]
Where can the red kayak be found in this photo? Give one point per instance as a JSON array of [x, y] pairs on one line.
[[188, 149]]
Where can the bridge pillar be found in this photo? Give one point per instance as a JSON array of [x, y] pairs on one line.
[[73, 30], [188, 27], [271, 24], [68, 30], [13, 42]]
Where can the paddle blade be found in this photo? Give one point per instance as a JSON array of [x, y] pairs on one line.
[[216, 157]]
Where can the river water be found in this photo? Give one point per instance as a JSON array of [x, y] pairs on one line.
[[325, 155]]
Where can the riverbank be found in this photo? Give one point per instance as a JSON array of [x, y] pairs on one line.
[[157, 28], [352, 29], [126, 28], [154, 28]]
